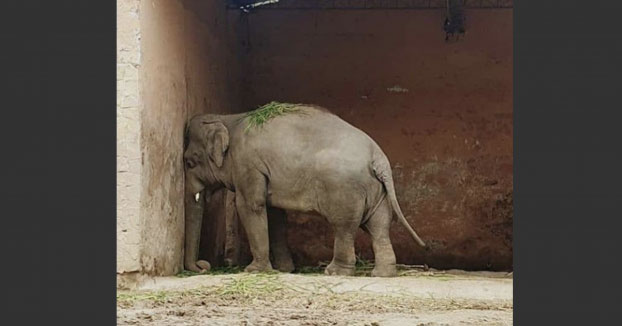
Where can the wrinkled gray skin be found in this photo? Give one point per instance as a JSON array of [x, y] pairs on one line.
[[308, 161]]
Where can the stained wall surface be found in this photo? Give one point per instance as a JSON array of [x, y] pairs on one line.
[[128, 136], [442, 112], [183, 64]]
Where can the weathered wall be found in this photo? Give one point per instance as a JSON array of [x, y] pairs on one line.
[[448, 137], [185, 66], [128, 134], [164, 96]]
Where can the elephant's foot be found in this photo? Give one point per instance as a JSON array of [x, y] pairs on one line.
[[259, 267], [336, 269], [200, 266], [284, 265], [384, 271]]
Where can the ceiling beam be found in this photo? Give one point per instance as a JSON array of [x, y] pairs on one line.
[[370, 4]]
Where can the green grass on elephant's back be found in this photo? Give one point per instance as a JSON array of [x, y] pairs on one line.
[[261, 115]]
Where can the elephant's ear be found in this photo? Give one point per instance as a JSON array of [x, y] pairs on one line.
[[218, 141]]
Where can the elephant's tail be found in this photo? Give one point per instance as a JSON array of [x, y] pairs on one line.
[[382, 170]]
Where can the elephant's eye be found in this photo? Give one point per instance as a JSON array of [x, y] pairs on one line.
[[190, 164]]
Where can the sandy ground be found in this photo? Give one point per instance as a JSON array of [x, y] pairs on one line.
[[420, 298]]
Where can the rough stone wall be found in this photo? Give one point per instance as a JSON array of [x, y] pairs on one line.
[[442, 112], [128, 135], [183, 66]]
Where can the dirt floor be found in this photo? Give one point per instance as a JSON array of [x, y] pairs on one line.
[[429, 298]]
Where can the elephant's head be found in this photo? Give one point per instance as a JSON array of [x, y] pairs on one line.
[[206, 145], [207, 142]]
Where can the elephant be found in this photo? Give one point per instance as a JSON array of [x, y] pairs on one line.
[[309, 160]]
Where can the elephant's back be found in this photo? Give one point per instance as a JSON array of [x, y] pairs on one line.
[[316, 123], [312, 138], [314, 126]]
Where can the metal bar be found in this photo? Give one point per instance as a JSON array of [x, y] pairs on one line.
[[363, 8], [379, 4]]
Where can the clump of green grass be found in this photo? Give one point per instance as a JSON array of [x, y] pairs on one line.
[[310, 270], [213, 271], [363, 264], [362, 267], [261, 115], [252, 286], [226, 270], [186, 273]]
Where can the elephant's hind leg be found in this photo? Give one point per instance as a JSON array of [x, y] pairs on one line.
[[344, 260], [378, 227], [342, 204], [277, 224]]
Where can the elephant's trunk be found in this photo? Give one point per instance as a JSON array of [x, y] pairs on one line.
[[194, 218]]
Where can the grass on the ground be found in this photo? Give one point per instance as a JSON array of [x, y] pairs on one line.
[[269, 290], [221, 270], [251, 286], [363, 267]]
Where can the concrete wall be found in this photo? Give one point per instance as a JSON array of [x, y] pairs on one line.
[[442, 112], [449, 136], [175, 60], [129, 165]]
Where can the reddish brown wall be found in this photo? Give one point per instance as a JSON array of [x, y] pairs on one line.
[[449, 138]]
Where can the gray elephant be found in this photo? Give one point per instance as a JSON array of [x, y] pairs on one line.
[[307, 160]]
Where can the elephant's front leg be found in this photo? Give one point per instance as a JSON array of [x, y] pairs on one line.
[[277, 224], [251, 206]]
